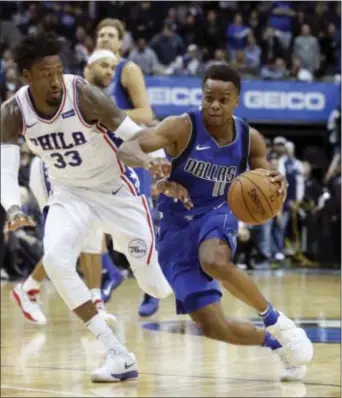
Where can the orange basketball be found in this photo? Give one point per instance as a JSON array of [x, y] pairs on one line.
[[253, 198]]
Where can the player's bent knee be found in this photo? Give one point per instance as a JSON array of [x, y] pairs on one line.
[[215, 266]]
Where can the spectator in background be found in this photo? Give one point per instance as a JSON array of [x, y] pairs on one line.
[[274, 70], [255, 25], [236, 34], [293, 169], [330, 46], [298, 22], [27, 19], [145, 22], [189, 64], [146, 58], [127, 42], [5, 61], [306, 48], [81, 48], [67, 21], [11, 83], [281, 19], [239, 63], [279, 147], [253, 54], [334, 131], [318, 19], [297, 72], [270, 46], [220, 56], [212, 34], [189, 31], [167, 45], [172, 19]]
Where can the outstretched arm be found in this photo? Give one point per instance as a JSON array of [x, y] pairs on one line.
[[10, 129], [96, 106], [167, 135]]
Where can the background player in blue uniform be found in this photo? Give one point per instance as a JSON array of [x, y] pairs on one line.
[[208, 148], [129, 92]]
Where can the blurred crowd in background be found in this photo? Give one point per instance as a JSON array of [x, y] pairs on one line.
[[264, 40], [268, 40]]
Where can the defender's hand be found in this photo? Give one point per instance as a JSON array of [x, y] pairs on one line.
[[159, 167], [17, 219], [176, 191]]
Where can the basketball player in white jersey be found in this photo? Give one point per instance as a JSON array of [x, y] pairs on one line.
[[100, 71], [65, 121]]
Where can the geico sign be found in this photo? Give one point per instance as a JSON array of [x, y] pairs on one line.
[[179, 96], [292, 100]]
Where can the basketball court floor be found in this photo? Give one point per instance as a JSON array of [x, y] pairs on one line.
[[174, 360]]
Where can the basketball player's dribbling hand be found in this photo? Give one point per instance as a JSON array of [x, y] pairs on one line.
[[17, 219], [279, 178], [176, 191], [159, 167]]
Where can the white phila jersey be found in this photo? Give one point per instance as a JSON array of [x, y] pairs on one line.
[[77, 153]]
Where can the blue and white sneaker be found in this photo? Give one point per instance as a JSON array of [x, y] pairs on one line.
[[118, 367], [109, 284]]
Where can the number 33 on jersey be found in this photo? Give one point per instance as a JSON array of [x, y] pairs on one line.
[[73, 149]]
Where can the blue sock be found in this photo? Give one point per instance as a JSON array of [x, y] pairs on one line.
[[270, 316], [271, 342], [108, 264]]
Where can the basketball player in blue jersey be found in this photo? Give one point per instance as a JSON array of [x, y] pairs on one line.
[[130, 94], [99, 72], [206, 150]]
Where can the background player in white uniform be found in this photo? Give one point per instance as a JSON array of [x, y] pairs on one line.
[[63, 120], [100, 69]]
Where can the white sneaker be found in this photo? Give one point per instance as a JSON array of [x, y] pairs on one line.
[[293, 339], [109, 318], [117, 367], [290, 372], [29, 304]]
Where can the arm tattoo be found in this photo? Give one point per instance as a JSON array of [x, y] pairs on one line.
[[98, 107], [11, 124]]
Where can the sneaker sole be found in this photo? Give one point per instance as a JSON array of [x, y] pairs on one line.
[[133, 374]]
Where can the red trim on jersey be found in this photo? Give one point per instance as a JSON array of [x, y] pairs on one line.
[[57, 114], [130, 185], [76, 106], [22, 114], [149, 221], [122, 168], [111, 144], [101, 128]]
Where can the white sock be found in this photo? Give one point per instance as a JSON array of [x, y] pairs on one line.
[[95, 294], [30, 284], [98, 326]]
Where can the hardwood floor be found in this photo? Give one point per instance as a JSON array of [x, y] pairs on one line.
[[174, 360]]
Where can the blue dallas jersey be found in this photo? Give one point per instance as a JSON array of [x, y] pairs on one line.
[[206, 169], [123, 101], [117, 90]]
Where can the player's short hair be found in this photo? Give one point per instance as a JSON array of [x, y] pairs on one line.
[[225, 73], [114, 23], [32, 49]]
